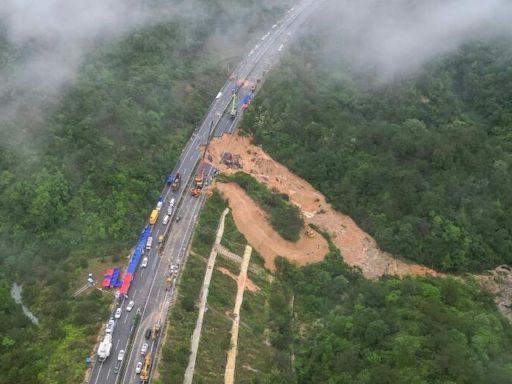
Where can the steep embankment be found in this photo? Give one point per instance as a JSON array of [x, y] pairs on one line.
[[357, 247]]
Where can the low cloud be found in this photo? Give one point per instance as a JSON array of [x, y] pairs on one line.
[[44, 42], [396, 37]]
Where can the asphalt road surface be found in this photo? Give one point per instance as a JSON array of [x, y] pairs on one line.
[[148, 287]]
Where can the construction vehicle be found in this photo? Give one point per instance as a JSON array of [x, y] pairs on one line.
[[105, 347], [154, 216], [146, 368], [232, 110], [168, 283], [176, 182], [198, 180], [154, 331]]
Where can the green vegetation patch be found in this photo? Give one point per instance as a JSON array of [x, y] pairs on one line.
[[285, 217], [346, 329], [423, 163], [254, 352]]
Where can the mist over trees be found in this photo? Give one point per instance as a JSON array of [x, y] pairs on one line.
[[422, 162], [85, 151]]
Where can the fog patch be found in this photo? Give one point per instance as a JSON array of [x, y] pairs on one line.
[[396, 37]]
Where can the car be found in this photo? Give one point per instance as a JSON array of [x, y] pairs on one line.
[[144, 262], [147, 334], [178, 219], [138, 367], [218, 95], [120, 357], [171, 203], [130, 305], [144, 349], [165, 220], [117, 367], [110, 325], [245, 106], [118, 313]]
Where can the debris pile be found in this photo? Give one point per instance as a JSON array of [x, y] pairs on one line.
[[231, 160]]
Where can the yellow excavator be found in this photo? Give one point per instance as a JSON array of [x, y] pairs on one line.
[[146, 369]]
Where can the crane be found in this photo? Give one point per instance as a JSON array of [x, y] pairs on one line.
[[233, 111]]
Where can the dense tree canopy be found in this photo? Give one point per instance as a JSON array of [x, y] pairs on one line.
[[343, 328], [77, 177], [422, 163]]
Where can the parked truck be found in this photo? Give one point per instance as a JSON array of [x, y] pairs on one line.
[[154, 216], [105, 347], [176, 182], [160, 203]]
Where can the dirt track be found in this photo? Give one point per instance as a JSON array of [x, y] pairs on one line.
[[357, 247]]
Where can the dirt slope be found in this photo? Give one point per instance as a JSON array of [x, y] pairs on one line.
[[250, 220], [357, 247]]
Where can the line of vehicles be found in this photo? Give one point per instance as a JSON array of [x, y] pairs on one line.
[[145, 243]]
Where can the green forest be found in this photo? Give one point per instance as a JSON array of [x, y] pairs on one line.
[[422, 163], [343, 328], [77, 186]]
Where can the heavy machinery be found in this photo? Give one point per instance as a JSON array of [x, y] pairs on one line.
[[309, 232], [176, 182], [168, 283], [154, 331], [198, 179], [232, 109], [146, 369]]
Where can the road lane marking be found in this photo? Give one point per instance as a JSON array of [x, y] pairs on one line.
[[98, 376], [117, 344]]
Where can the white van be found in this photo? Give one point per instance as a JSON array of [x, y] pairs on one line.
[[166, 220], [149, 242], [144, 262]]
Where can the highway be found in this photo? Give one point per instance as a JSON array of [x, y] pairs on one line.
[[148, 289]]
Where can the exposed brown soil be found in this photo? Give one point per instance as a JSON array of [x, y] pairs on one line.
[[249, 284], [358, 248], [251, 221]]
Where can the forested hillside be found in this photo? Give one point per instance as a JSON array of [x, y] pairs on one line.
[[78, 175], [423, 162], [343, 328]]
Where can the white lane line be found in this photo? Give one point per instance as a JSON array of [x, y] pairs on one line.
[[108, 372], [117, 344], [125, 318], [135, 293], [98, 376], [141, 319]]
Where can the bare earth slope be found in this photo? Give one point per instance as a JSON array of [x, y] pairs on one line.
[[251, 221], [357, 247]]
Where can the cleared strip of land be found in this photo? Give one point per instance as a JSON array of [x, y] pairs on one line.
[[196, 335], [229, 375]]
